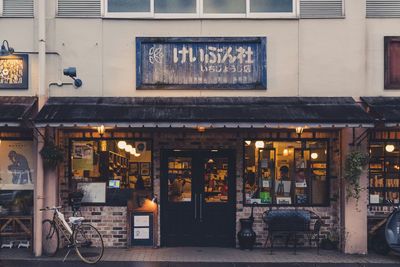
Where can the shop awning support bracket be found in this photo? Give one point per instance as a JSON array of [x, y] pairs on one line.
[[357, 141]]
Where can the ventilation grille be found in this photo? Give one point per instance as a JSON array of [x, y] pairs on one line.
[[383, 9], [321, 9], [18, 8], [79, 8]]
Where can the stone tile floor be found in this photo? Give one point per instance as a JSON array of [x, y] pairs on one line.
[[211, 254]]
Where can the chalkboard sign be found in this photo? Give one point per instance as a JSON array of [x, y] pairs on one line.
[[201, 63]]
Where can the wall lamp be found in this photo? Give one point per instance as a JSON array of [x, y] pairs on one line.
[[71, 72], [101, 130], [6, 51]]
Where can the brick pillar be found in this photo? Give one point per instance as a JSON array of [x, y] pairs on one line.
[[355, 211]]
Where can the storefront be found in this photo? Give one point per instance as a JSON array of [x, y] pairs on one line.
[[17, 169], [206, 160]]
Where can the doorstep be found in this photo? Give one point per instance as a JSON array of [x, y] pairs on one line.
[[211, 254]]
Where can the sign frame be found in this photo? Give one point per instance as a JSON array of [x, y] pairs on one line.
[[25, 74], [261, 84]]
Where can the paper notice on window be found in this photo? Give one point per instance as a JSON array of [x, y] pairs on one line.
[[141, 220], [374, 199], [265, 183], [141, 233]]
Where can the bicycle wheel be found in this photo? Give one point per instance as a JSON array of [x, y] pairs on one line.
[[50, 238], [88, 243]]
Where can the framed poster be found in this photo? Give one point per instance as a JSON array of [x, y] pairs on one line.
[[145, 168], [14, 72], [17, 165], [82, 155], [93, 192], [133, 168]]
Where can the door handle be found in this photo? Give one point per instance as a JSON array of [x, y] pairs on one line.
[[195, 206], [201, 207]]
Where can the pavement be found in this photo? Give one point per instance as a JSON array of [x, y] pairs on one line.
[[202, 256]]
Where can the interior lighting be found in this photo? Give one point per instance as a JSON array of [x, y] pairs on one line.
[[389, 148], [286, 152], [314, 155], [101, 129], [121, 144], [248, 142], [128, 148], [299, 130], [260, 144]]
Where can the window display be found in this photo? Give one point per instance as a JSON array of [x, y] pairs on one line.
[[120, 163], [384, 172], [286, 172]]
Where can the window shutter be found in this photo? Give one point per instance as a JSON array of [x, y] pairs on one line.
[[321, 8], [392, 62], [79, 8], [18, 8], [383, 9]]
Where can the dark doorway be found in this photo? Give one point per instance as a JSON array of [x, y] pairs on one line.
[[198, 198]]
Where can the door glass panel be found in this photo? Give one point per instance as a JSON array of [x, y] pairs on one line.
[[216, 180], [179, 179]]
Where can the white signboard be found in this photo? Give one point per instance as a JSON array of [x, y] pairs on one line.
[[141, 220], [141, 233], [93, 192]]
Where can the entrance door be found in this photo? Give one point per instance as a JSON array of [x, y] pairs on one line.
[[198, 198]]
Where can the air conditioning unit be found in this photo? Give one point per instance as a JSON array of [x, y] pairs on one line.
[[140, 147]]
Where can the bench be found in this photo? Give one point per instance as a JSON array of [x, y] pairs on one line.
[[291, 222]]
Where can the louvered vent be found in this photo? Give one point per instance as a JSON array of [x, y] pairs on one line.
[[18, 8], [321, 8], [79, 8], [383, 9]]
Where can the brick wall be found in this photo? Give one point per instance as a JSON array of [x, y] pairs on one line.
[[194, 140]]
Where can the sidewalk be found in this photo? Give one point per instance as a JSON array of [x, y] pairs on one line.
[[210, 254]]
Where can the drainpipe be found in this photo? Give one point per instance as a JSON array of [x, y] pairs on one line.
[[43, 95]]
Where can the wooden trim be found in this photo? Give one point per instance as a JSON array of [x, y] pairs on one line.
[[388, 42]]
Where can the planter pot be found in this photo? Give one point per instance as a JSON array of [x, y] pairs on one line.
[[246, 235]]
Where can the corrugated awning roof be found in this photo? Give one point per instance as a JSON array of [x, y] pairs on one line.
[[204, 112], [15, 109], [386, 109]]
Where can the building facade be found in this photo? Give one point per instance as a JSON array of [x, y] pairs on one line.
[[211, 106]]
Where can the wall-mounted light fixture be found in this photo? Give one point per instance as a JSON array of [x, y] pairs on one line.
[[259, 144], [71, 72], [314, 155], [299, 130], [6, 51], [101, 130]]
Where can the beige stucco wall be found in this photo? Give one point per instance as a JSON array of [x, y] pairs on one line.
[[306, 57]]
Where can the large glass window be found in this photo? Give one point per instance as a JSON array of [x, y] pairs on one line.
[[200, 8], [384, 172], [286, 172], [119, 163]]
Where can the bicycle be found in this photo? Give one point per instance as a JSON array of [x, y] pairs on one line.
[[84, 238]]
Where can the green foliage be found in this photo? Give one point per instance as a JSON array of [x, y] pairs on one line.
[[355, 161], [51, 154]]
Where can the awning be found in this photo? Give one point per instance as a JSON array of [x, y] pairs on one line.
[[216, 112], [385, 109], [14, 110]]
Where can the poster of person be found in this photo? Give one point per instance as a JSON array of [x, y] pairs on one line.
[[82, 156], [16, 165]]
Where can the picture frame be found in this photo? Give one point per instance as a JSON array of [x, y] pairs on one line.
[[145, 168], [284, 200], [133, 168], [93, 192]]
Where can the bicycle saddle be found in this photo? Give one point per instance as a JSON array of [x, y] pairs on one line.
[[76, 220]]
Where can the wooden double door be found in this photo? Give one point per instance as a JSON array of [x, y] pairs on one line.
[[198, 198]]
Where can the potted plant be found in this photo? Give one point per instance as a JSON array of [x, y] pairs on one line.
[[330, 242], [354, 164], [51, 154]]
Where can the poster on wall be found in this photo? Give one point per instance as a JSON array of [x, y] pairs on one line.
[[93, 192], [82, 156], [16, 165]]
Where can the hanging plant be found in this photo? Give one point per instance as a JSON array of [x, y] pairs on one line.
[[355, 161], [51, 154]]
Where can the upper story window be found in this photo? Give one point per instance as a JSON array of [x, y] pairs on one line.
[[13, 8], [201, 8], [392, 62]]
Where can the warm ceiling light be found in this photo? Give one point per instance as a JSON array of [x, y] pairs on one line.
[[299, 130], [314, 155], [248, 142], [133, 152], [389, 148], [260, 144], [101, 129], [285, 152], [121, 144]]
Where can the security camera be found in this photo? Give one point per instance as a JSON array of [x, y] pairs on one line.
[[71, 72]]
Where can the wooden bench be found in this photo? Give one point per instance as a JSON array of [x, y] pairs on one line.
[[291, 222]]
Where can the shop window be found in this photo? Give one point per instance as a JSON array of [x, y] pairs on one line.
[[286, 172], [384, 172], [392, 62], [16, 177], [200, 8], [119, 164]]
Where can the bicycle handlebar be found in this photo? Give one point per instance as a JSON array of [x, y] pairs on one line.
[[52, 208]]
